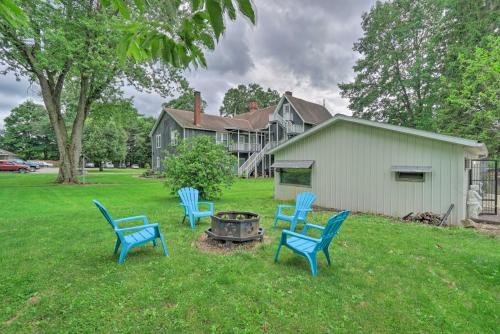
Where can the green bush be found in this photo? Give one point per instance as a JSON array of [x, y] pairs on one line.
[[202, 164]]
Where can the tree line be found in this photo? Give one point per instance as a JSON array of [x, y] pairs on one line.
[[114, 131]]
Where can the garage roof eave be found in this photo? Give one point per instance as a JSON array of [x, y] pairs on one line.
[[472, 146], [293, 164]]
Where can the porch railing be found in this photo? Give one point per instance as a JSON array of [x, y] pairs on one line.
[[245, 147]]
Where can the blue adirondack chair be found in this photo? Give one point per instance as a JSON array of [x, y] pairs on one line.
[[190, 203], [307, 246], [303, 205], [138, 235]]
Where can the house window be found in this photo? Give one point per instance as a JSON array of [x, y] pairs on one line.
[[174, 137], [296, 176], [158, 162], [287, 113], [158, 141], [410, 176], [221, 138]]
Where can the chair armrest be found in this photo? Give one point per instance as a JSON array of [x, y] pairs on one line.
[[300, 236], [127, 219], [307, 226], [134, 228], [210, 205]]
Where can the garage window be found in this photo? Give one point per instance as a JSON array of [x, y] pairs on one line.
[[411, 173], [410, 176], [296, 176], [294, 172]]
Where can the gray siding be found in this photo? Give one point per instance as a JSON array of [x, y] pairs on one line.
[[196, 132], [296, 117], [164, 128], [352, 170]]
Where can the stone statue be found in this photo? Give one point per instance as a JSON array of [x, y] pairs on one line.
[[474, 201]]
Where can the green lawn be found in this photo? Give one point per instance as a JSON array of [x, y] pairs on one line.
[[59, 274]]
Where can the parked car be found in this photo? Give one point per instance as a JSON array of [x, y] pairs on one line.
[[12, 166], [108, 164], [89, 165], [35, 164], [135, 166], [45, 164], [32, 166]]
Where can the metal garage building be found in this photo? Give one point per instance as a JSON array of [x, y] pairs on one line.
[[375, 167]]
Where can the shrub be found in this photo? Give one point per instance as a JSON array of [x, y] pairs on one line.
[[202, 164]]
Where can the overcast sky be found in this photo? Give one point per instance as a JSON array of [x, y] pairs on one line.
[[301, 46]]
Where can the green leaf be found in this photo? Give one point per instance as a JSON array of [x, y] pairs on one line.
[[215, 17], [122, 8], [141, 5], [12, 14], [195, 4], [229, 8], [207, 40], [246, 9]]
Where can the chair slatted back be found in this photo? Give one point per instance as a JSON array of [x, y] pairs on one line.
[[105, 213], [303, 201], [189, 197], [331, 229]]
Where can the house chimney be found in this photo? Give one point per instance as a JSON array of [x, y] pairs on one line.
[[197, 108], [252, 106], [289, 93]]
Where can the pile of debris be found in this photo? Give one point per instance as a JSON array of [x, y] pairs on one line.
[[428, 218]]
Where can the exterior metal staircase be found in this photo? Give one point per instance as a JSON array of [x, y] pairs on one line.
[[253, 161]]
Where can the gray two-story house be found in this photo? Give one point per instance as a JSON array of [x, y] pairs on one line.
[[248, 136]]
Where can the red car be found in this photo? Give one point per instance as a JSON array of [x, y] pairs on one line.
[[11, 166]]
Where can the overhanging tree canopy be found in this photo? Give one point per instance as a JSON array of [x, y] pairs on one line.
[[60, 43]]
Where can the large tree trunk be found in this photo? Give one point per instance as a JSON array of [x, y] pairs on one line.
[[70, 148]]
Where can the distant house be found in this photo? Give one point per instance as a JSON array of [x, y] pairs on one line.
[[367, 166], [6, 155], [248, 136]]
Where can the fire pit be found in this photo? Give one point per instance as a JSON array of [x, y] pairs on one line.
[[235, 226]]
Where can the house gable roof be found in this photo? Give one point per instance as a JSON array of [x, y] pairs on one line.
[[310, 112], [5, 152], [258, 118], [208, 122], [473, 145]]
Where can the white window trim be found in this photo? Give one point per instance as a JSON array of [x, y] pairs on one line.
[[158, 162], [174, 137], [287, 112], [158, 141]]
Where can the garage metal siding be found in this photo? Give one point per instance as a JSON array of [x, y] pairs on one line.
[[352, 170]]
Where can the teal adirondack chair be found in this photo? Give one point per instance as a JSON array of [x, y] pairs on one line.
[[303, 205], [190, 203], [307, 246], [139, 235]]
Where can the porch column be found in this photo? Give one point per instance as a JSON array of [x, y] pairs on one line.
[[238, 148]]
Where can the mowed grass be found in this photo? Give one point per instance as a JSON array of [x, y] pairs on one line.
[[58, 272]]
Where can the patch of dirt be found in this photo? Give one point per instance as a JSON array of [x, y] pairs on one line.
[[490, 229], [33, 300], [208, 245]]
